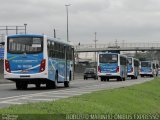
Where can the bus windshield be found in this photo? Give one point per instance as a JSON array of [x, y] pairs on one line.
[[108, 58], [145, 64], [21, 45]]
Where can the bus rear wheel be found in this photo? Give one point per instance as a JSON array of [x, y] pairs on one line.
[[51, 85], [66, 83], [119, 79], [102, 78], [38, 85], [21, 85]]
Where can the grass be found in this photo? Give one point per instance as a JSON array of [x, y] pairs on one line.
[[142, 99]]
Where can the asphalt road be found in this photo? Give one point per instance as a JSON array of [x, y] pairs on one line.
[[9, 95]]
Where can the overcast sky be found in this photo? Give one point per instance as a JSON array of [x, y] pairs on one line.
[[124, 20]]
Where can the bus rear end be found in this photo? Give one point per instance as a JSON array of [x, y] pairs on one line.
[[146, 69], [108, 66], [24, 60]]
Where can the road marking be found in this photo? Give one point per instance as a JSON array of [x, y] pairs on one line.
[[6, 84], [43, 99], [43, 93], [5, 102], [67, 92]]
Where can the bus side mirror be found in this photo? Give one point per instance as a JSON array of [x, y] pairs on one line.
[[2, 43]]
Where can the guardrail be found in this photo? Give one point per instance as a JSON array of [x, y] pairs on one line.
[[118, 46]]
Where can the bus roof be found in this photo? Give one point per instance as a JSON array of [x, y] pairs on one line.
[[24, 35], [40, 35], [108, 53], [60, 41], [112, 54]]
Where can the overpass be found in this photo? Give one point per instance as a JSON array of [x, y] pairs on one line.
[[118, 47]]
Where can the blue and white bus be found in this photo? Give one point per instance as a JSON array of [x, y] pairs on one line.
[[112, 65], [133, 68], [146, 68], [37, 59]]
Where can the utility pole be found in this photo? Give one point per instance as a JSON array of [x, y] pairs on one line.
[[25, 27], [116, 43], [95, 41], [54, 33]]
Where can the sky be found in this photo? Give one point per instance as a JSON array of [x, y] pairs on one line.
[[121, 20]]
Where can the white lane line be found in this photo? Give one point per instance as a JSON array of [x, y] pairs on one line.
[[44, 93], [59, 96], [30, 98], [71, 92], [29, 95], [64, 94], [41, 99], [6, 84], [8, 102]]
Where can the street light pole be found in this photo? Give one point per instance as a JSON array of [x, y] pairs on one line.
[[25, 27], [67, 5]]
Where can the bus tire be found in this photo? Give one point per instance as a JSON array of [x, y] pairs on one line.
[[21, 85], [70, 76], [119, 79], [18, 85], [54, 85], [102, 79], [24, 86], [38, 85], [51, 85], [66, 83], [107, 79]]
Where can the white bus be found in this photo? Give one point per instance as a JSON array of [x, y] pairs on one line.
[[146, 68], [112, 65], [37, 59], [133, 68]]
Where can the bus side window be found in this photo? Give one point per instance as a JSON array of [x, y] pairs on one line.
[[52, 49], [123, 61]]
